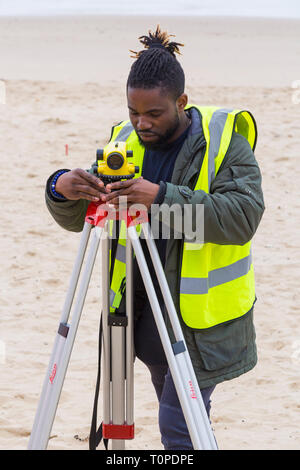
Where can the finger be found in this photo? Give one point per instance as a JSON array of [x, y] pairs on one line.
[[121, 202], [121, 184], [122, 192], [85, 189], [93, 180], [90, 183], [107, 197], [88, 197]]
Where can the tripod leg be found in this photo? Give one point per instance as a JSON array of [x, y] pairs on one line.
[[113, 357], [122, 361], [59, 340], [106, 331], [171, 352], [118, 381], [117, 359], [199, 413], [63, 344], [129, 336]]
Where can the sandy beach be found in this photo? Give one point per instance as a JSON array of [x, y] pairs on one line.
[[65, 84]]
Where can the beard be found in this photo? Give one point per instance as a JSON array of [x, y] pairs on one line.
[[162, 143]]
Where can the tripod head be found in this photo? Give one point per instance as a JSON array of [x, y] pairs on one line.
[[112, 164]]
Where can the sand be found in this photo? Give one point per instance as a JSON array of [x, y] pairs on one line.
[[65, 84]]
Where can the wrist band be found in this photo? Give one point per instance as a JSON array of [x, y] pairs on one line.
[[161, 193], [53, 184]]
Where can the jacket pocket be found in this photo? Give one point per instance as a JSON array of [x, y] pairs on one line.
[[225, 345]]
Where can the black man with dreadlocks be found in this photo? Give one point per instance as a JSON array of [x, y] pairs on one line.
[[189, 155]]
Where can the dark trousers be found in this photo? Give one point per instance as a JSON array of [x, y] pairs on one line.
[[148, 348]]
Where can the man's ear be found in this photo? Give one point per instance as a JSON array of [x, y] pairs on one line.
[[181, 102]]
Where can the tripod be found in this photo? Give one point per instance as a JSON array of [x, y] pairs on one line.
[[118, 351]]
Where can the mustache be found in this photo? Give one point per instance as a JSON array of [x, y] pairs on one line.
[[147, 133]]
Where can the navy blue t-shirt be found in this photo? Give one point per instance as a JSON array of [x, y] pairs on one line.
[[158, 166]]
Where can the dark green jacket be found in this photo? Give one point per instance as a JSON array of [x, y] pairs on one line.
[[232, 212]]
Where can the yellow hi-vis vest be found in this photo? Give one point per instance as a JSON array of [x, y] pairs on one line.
[[217, 281]]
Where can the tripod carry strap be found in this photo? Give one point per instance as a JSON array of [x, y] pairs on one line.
[[96, 435]]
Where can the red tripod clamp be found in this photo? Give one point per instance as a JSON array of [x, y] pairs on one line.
[[118, 431], [98, 213]]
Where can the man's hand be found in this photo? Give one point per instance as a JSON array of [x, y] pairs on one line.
[[79, 184], [137, 191]]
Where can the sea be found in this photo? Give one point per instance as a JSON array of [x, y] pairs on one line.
[[255, 8]]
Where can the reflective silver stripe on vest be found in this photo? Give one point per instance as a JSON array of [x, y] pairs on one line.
[[216, 128], [125, 132], [216, 277], [121, 253], [111, 297]]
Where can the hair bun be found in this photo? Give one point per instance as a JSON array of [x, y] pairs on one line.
[[158, 40], [156, 45]]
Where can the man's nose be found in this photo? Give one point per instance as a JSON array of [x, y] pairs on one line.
[[143, 124]]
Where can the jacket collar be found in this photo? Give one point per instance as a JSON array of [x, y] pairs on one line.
[[190, 157], [196, 125]]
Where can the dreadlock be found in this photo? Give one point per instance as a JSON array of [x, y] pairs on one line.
[[156, 65]]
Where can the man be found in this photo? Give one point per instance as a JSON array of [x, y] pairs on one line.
[[191, 156]]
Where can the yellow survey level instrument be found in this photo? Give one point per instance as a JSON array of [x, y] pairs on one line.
[[112, 164]]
